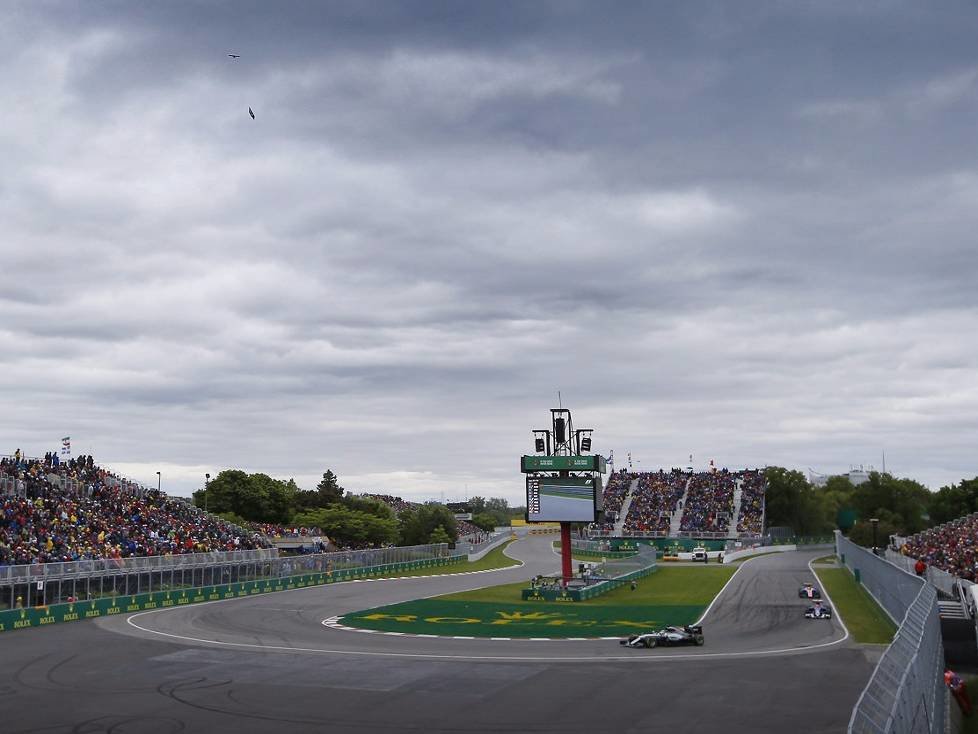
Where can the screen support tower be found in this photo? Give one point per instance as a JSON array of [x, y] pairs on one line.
[[565, 467]]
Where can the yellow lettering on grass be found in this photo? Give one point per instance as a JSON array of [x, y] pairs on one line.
[[507, 617], [452, 620], [393, 617]]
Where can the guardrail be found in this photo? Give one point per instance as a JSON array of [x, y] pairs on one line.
[[905, 694], [129, 576], [118, 603]]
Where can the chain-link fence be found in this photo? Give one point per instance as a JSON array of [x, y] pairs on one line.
[[614, 568], [905, 694], [52, 583]]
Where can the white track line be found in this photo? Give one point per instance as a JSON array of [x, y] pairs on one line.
[[514, 658], [495, 658], [835, 609]]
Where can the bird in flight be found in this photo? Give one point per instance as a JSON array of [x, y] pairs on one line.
[[235, 56], [252, 113]]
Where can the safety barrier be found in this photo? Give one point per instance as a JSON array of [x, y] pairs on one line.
[[52, 583], [117, 604], [609, 575], [905, 694]]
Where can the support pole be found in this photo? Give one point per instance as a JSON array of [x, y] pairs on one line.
[[565, 552]]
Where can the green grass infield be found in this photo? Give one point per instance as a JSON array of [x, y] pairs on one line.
[[866, 621], [670, 596]]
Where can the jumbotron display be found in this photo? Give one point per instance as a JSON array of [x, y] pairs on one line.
[[560, 499]]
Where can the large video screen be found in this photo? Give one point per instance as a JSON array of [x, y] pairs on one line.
[[560, 499]]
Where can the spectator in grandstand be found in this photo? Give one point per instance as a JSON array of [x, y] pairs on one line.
[[75, 510], [952, 547], [654, 500]]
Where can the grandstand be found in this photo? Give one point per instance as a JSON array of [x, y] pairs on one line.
[[951, 547], [57, 511], [717, 504]]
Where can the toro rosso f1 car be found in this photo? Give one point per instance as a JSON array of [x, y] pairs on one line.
[[818, 611], [809, 591], [687, 635]]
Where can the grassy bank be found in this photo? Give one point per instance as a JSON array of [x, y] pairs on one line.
[[862, 615]]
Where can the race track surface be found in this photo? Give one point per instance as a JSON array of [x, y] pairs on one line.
[[267, 663]]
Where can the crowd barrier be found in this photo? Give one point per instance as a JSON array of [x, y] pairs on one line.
[[37, 585], [905, 694], [117, 604]]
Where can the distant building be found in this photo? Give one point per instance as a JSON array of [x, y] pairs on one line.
[[856, 475]]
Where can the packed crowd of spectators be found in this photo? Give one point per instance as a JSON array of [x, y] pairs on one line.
[[273, 530], [53, 510], [613, 496], [752, 489], [709, 502], [952, 547], [655, 499]]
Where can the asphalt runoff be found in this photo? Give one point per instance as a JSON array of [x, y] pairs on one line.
[[267, 663]]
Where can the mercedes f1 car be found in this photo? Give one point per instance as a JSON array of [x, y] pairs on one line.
[[689, 634], [818, 611], [809, 591]]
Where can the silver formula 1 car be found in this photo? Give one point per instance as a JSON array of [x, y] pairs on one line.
[[689, 634], [809, 591], [818, 611]]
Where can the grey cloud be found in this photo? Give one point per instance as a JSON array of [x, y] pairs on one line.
[[441, 216]]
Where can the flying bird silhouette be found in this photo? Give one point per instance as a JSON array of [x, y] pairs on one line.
[[235, 56], [252, 113]]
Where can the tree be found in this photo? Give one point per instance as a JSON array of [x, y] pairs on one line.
[[791, 501], [329, 489], [439, 535], [369, 505], [418, 523], [954, 501], [484, 521], [905, 498], [350, 527], [862, 532], [255, 497]]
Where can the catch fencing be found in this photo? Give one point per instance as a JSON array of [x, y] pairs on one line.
[[905, 694], [44, 584]]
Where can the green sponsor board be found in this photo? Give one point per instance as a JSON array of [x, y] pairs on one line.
[[13, 619], [493, 619], [679, 545], [586, 592], [562, 463]]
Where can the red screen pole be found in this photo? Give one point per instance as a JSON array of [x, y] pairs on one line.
[[565, 552]]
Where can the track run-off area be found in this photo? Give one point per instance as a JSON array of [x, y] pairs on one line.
[[287, 659]]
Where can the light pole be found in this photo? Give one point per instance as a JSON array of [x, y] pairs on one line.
[[159, 482], [207, 481], [875, 522]]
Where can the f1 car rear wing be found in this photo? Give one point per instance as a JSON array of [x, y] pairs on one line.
[[696, 629]]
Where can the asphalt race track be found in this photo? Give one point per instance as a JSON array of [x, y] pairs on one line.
[[268, 664]]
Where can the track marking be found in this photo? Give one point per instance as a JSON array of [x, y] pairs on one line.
[[835, 609], [514, 658], [489, 658]]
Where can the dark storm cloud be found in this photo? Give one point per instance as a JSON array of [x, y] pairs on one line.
[[742, 232]]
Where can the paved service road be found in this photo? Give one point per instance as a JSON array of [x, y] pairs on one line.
[[266, 663]]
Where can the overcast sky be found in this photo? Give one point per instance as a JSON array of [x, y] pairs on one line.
[[741, 231]]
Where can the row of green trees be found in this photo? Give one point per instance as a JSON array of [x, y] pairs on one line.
[[345, 518], [902, 506]]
